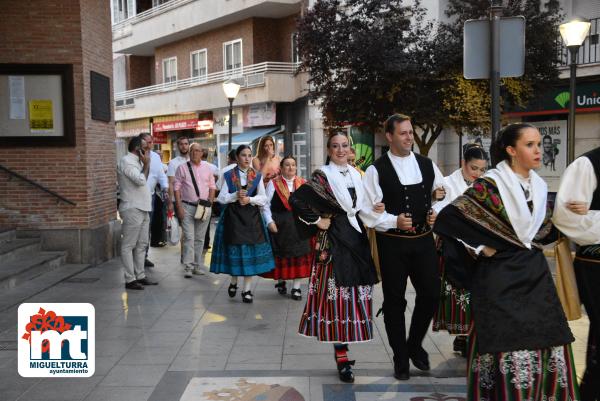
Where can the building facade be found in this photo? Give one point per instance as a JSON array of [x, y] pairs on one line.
[[172, 57]]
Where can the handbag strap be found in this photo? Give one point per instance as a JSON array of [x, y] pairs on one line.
[[193, 180]]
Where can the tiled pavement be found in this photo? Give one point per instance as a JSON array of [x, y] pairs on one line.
[[185, 339]]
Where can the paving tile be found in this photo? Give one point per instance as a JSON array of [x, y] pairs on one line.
[[120, 394], [198, 362], [62, 389], [258, 354], [140, 355], [134, 376]]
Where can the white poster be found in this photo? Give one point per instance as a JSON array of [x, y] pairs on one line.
[[221, 121], [257, 115], [554, 151], [16, 87]]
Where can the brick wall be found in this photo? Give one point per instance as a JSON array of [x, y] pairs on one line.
[[139, 69], [273, 39], [66, 32]]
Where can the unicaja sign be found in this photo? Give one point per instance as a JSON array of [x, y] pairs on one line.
[[56, 340]]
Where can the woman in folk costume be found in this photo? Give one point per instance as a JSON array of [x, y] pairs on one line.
[[339, 301], [520, 344], [454, 311], [241, 246], [292, 252]]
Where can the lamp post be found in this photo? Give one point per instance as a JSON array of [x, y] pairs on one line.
[[231, 89], [573, 34]]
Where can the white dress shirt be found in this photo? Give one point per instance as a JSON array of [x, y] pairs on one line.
[[270, 192], [156, 173], [408, 172], [174, 165], [134, 192], [257, 200], [578, 183]]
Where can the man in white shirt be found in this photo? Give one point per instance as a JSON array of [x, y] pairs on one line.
[[231, 163], [135, 205], [407, 184], [577, 215], [183, 146], [156, 175]]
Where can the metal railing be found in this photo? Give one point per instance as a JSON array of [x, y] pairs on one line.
[[589, 52], [149, 13], [37, 185], [248, 77]]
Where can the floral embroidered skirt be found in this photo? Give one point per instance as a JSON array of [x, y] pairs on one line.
[[336, 314], [454, 310], [532, 375]]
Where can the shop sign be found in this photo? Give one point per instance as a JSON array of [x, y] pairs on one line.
[[257, 115], [160, 138], [221, 121], [554, 151], [204, 125], [175, 125], [555, 100]]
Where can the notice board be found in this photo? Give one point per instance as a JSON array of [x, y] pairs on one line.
[[36, 105]]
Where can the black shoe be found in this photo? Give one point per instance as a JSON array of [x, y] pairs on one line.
[[232, 290], [420, 359], [345, 371], [147, 263], [281, 288], [134, 285], [145, 281], [401, 374], [460, 345], [296, 294], [247, 297]]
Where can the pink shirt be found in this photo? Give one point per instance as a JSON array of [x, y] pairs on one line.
[[204, 179]]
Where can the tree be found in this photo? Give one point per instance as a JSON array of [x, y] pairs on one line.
[[371, 58]]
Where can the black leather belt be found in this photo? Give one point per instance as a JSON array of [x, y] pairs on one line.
[[190, 203]]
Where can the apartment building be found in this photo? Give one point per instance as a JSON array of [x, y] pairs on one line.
[[172, 57]]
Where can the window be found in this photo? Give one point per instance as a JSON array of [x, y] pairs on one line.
[[198, 63], [232, 55], [295, 54], [169, 70]]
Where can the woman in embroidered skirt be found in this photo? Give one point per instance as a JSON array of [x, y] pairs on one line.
[[292, 252], [241, 246], [454, 310], [520, 342], [266, 160], [339, 301]]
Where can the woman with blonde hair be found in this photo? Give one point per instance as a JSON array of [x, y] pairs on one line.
[[266, 160]]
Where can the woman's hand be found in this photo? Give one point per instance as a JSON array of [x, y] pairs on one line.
[[242, 193], [244, 201], [578, 207], [379, 207], [324, 223], [272, 227]]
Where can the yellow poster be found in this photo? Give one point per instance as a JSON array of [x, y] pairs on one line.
[[40, 116]]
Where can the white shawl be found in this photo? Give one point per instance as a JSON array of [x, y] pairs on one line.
[[340, 190], [525, 223]]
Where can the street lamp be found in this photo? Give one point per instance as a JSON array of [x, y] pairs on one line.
[[573, 34], [231, 89]]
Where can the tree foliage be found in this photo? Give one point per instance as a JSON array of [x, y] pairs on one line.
[[370, 58]]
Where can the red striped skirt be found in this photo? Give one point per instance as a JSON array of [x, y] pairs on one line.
[[290, 268], [336, 314]]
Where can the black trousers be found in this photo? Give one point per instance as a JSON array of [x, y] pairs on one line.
[[401, 258], [588, 282]]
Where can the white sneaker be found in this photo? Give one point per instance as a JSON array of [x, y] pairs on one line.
[[198, 271], [188, 272]]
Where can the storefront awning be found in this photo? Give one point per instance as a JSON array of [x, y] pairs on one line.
[[246, 137]]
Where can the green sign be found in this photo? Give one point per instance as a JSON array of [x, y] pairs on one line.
[[556, 100]]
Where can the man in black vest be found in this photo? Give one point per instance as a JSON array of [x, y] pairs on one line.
[[406, 183], [577, 215]]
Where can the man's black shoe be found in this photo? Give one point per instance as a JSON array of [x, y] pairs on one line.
[[145, 281], [147, 263], [134, 285], [421, 363], [401, 374]]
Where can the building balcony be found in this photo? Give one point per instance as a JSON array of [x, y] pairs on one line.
[[263, 82], [178, 19]]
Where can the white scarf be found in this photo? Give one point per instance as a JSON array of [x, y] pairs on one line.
[[340, 190], [457, 185], [525, 223]]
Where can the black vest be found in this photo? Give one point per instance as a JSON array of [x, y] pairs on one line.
[[593, 251], [399, 198]]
